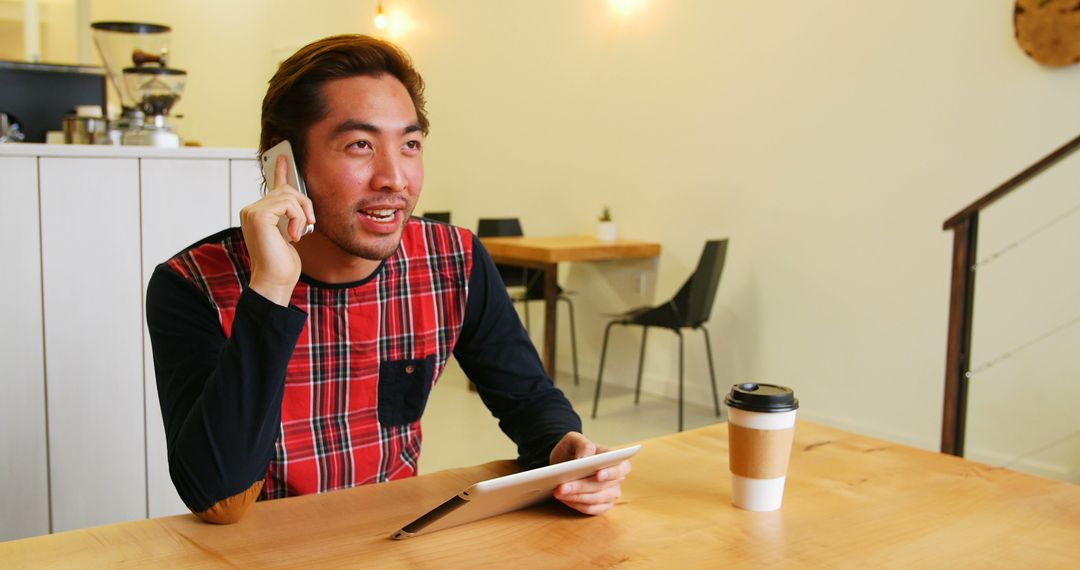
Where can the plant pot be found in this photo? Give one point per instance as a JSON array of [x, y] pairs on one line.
[[605, 231]]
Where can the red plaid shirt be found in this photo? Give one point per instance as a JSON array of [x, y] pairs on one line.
[[366, 359]]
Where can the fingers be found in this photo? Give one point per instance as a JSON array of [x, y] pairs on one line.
[[591, 495], [573, 445], [602, 479], [590, 508], [290, 225], [281, 201], [586, 450], [286, 209], [281, 172], [596, 494], [293, 223], [309, 215], [297, 216], [290, 210], [589, 498], [614, 473]]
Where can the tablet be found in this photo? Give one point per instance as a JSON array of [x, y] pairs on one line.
[[510, 493]]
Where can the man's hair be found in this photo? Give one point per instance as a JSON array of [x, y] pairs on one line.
[[294, 100]]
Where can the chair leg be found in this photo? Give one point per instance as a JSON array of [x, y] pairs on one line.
[[678, 332], [712, 372], [640, 364], [525, 308], [573, 338], [600, 373], [525, 299]]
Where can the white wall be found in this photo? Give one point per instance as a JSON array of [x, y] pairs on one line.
[[827, 139]]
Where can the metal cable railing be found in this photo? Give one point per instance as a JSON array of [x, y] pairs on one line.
[[1060, 327], [960, 370]]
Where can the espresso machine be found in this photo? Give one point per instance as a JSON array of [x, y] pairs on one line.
[[136, 58]]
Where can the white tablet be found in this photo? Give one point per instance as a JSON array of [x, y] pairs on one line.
[[511, 492]]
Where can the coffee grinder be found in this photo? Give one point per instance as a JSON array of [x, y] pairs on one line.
[[136, 57]]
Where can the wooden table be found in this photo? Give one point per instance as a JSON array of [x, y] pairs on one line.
[[545, 254], [851, 502]]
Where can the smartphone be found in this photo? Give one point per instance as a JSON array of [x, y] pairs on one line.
[[293, 178]]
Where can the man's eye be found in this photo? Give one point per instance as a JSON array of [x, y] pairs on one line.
[[361, 145], [414, 145]]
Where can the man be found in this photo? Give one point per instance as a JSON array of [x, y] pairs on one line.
[[300, 364]]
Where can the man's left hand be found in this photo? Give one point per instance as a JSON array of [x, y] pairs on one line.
[[597, 493]]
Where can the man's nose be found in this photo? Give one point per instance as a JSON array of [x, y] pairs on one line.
[[389, 176]]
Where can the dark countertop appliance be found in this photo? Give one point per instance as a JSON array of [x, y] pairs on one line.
[[38, 95]]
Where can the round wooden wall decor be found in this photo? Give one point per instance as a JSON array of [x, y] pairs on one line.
[[1049, 30]]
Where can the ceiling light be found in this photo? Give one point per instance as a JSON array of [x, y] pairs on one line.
[[625, 7], [380, 18]]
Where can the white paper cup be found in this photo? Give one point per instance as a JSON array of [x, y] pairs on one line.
[[761, 428]]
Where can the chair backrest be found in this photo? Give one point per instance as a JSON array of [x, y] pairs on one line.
[[499, 227], [694, 301], [438, 216], [512, 276]]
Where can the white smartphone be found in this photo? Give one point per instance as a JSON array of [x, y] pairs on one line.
[[293, 178]]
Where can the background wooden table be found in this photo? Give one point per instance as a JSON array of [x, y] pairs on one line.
[[852, 502], [545, 254]]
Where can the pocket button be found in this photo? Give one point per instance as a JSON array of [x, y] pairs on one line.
[[410, 369]]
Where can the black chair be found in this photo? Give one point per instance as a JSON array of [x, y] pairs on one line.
[[438, 216], [689, 308], [532, 282]]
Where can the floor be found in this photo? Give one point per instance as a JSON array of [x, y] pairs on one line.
[[459, 431]]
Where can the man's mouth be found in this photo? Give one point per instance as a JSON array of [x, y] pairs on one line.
[[382, 215]]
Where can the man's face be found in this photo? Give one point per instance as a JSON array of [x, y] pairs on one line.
[[364, 166]]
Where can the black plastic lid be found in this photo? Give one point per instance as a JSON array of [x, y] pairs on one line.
[[761, 398], [131, 27]]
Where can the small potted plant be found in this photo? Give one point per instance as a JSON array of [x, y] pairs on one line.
[[605, 226]]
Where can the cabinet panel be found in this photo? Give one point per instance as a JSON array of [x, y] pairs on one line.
[[24, 478], [183, 201], [246, 184], [93, 331]]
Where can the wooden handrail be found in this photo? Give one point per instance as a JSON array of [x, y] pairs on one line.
[[1010, 184], [965, 227]]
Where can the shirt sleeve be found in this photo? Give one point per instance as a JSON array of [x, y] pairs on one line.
[[496, 353], [220, 397]]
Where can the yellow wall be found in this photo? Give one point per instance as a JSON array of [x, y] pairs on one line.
[[57, 31], [224, 48], [827, 139]]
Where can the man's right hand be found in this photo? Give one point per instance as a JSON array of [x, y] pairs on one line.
[[275, 265]]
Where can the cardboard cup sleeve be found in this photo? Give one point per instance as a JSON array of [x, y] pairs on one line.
[[760, 453]]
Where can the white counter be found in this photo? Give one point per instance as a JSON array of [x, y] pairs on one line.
[[110, 151]]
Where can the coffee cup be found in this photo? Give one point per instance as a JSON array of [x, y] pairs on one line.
[[761, 427]]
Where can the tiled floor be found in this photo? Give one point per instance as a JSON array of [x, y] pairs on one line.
[[459, 430]]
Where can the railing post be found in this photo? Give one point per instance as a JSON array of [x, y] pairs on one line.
[[958, 355]]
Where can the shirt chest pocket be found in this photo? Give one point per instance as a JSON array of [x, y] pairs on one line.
[[404, 386]]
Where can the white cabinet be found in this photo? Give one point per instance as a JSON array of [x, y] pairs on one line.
[[24, 507], [81, 437], [246, 186], [182, 202], [93, 339]]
